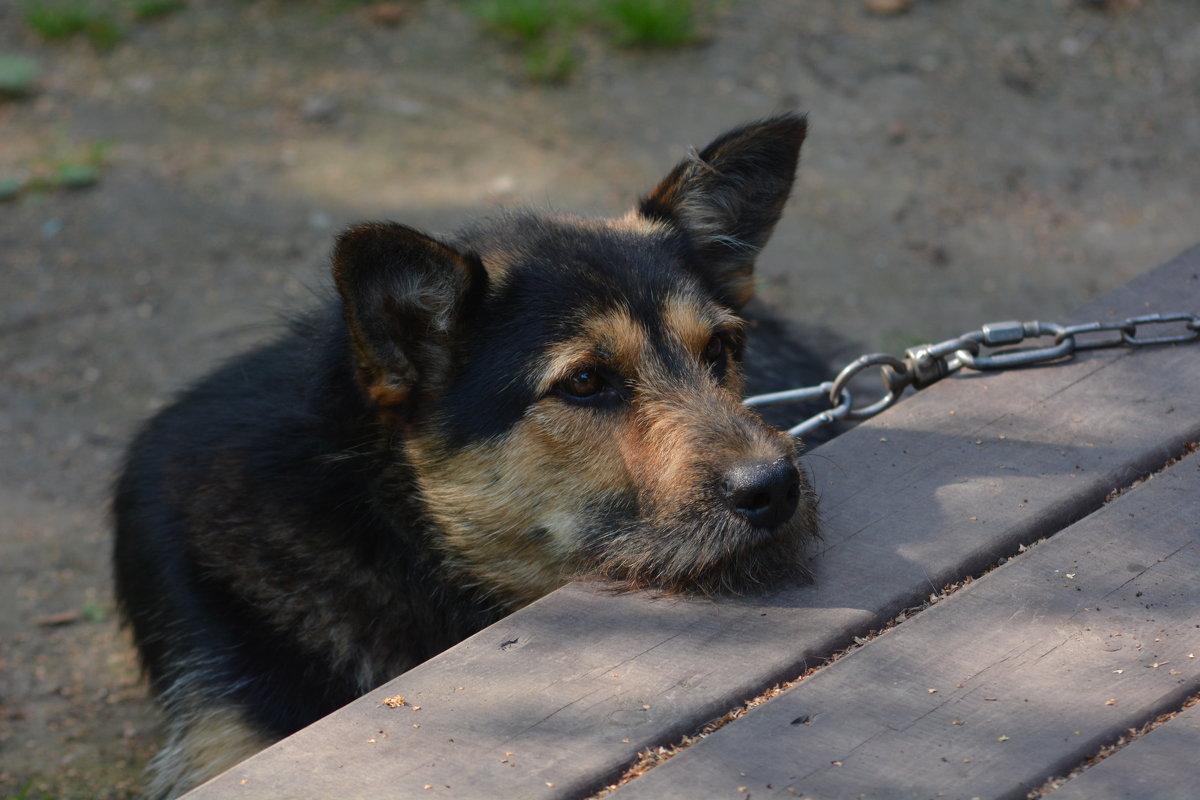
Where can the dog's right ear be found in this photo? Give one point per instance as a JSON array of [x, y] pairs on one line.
[[728, 197], [403, 296]]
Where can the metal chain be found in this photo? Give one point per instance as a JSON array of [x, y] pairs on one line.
[[926, 364]]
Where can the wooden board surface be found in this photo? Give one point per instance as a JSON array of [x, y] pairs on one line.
[[1162, 765], [1014, 679], [559, 697]]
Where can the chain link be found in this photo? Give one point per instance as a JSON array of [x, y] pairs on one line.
[[926, 364]]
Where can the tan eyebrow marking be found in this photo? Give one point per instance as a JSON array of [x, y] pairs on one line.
[[692, 324], [613, 338]]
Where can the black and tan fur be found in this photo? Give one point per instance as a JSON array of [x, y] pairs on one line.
[[477, 420]]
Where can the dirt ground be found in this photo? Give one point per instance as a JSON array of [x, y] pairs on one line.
[[968, 161]]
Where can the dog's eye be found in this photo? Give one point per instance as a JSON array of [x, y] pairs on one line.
[[715, 349], [591, 386], [584, 383]]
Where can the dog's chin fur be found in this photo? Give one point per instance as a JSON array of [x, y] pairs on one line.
[[716, 559], [706, 553]]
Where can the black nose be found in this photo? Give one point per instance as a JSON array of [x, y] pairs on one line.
[[765, 495]]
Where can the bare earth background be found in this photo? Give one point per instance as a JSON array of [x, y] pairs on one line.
[[968, 161]]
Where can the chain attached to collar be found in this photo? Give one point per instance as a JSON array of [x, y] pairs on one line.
[[926, 364]]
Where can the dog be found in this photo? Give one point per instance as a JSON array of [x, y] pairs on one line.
[[471, 422]]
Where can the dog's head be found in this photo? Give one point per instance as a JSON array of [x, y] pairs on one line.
[[568, 391]]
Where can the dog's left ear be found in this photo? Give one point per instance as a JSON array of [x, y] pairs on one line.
[[728, 197], [404, 298]]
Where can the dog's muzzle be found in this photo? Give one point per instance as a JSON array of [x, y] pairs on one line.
[[765, 494]]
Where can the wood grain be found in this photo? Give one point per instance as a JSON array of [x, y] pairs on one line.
[[559, 697], [1160, 765], [1018, 677]]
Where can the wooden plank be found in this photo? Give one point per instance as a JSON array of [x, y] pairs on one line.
[[1162, 764], [556, 698], [1016, 678]]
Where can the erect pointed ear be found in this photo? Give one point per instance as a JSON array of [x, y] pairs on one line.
[[403, 296], [728, 197]]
